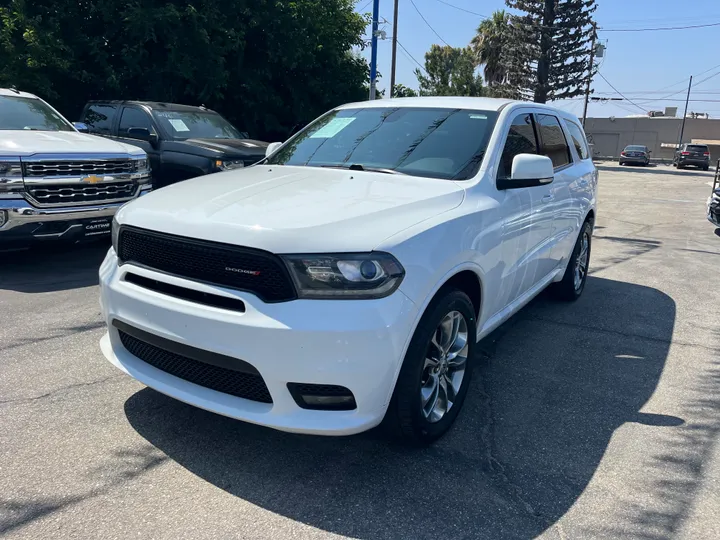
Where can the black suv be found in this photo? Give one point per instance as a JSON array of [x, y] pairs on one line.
[[692, 154], [181, 141]]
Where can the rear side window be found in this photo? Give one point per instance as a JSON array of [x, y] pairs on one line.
[[521, 139], [99, 118], [578, 139], [553, 139], [131, 118]]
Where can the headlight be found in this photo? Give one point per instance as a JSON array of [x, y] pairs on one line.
[[115, 235], [141, 163], [356, 276], [227, 164], [11, 178]]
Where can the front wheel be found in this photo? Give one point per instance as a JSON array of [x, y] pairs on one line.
[[435, 374], [573, 282]]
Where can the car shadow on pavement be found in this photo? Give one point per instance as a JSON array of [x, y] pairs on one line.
[[50, 268], [659, 169], [550, 388]]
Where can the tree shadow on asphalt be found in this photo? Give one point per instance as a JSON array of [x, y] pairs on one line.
[[551, 387], [52, 267]]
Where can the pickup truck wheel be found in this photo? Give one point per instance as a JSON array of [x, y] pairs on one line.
[[435, 375], [573, 282]]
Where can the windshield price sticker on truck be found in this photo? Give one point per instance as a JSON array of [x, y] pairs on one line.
[[332, 128], [178, 124]]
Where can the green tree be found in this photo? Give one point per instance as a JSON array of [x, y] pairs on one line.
[[401, 90], [264, 64], [489, 46], [549, 48], [449, 71]]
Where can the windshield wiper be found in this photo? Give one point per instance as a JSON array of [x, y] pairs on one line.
[[359, 167]]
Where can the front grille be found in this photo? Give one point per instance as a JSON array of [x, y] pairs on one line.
[[51, 194], [78, 168], [251, 270], [228, 381]]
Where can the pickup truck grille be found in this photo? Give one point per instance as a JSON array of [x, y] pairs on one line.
[[79, 194], [75, 168], [235, 267]]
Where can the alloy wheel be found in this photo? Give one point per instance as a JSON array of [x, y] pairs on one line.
[[581, 262], [444, 367]]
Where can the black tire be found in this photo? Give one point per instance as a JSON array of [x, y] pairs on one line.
[[404, 418], [622, 163], [706, 168], [566, 289], [680, 166]]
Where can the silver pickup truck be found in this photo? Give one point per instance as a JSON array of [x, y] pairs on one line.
[[55, 182]]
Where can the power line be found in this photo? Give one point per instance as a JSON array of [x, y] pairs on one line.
[[462, 9], [618, 91], [693, 86], [428, 24], [411, 56], [658, 29], [365, 6]]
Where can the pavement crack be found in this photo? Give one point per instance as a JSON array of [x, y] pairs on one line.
[[59, 391]]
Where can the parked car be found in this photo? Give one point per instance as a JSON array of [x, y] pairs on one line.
[[347, 278], [635, 154], [57, 183], [692, 154], [182, 141]]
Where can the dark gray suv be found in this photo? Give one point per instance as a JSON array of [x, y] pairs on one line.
[[692, 154]]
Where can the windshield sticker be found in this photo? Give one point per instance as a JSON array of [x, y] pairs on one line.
[[178, 124], [332, 128], [478, 117], [166, 114]]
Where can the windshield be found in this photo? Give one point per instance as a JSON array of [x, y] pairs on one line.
[[431, 142], [181, 125], [31, 114], [635, 148]]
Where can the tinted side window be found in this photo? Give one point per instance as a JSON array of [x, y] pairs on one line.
[[578, 139], [521, 139], [132, 117], [99, 118], [554, 144]]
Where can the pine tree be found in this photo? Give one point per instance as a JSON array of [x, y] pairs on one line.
[[549, 48]]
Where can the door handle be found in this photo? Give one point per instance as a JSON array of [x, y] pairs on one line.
[[548, 198]]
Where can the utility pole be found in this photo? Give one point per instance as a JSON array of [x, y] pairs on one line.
[[373, 54], [590, 72], [687, 100], [394, 49]]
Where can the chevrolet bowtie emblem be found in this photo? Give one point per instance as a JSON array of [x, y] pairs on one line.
[[92, 179]]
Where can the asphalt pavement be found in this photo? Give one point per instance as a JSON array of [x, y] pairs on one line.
[[598, 419]]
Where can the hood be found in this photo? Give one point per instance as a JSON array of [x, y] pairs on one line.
[[26, 143], [230, 147], [286, 209]]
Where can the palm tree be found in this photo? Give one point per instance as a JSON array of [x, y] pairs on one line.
[[488, 45]]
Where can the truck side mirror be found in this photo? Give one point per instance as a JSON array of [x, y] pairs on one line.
[[142, 134], [81, 127]]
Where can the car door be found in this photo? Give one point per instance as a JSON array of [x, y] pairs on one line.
[[135, 117], [522, 239], [548, 199]]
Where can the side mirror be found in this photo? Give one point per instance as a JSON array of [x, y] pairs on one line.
[[81, 127], [272, 147], [528, 170], [142, 134]]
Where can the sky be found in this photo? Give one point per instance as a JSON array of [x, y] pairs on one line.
[[642, 65]]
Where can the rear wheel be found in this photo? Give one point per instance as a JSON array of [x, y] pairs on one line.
[[680, 166], [435, 375], [706, 168], [573, 282]]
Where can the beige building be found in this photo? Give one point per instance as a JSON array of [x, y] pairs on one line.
[[660, 134]]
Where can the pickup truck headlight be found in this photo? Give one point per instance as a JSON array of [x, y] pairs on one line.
[[226, 165], [11, 178], [345, 276]]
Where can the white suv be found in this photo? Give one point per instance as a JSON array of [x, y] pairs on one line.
[[347, 278]]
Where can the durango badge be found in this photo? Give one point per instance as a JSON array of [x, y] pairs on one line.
[[242, 271]]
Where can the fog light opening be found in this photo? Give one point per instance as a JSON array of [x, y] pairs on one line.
[[322, 397]]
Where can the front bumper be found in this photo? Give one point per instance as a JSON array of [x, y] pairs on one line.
[[356, 344], [713, 209], [26, 224]]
